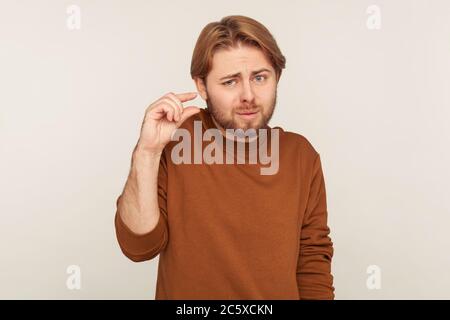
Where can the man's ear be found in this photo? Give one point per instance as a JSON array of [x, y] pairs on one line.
[[201, 87]]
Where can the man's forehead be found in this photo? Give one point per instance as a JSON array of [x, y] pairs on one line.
[[231, 61]]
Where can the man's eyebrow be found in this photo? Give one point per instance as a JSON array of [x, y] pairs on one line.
[[238, 73]]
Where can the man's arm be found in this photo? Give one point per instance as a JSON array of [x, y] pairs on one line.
[[314, 278], [141, 216]]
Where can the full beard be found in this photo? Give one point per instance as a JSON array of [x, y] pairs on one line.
[[227, 122]]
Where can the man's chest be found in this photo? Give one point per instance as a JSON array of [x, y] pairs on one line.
[[236, 200]]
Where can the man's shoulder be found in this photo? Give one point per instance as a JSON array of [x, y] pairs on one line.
[[298, 141]]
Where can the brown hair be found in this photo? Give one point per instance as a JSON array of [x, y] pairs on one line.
[[229, 32]]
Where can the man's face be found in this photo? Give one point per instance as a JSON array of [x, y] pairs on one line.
[[241, 88]]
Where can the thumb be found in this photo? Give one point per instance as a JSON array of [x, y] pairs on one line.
[[188, 112]]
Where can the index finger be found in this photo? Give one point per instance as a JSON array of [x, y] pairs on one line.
[[186, 96]]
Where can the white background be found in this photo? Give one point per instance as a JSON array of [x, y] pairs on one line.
[[374, 103]]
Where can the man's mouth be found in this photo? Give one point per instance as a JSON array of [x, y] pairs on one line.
[[247, 114]]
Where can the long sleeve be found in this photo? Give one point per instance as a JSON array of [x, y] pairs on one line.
[[141, 247], [314, 277]]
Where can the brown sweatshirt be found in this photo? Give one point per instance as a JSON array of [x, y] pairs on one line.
[[226, 231]]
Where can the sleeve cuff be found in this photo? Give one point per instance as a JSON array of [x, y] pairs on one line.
[[137, 245]]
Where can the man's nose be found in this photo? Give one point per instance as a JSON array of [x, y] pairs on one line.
[[247, 94]]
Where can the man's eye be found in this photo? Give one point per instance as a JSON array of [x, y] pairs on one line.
[[262, 78], [227, 83]]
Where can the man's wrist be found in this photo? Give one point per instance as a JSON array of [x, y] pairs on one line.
[[147, 154]]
